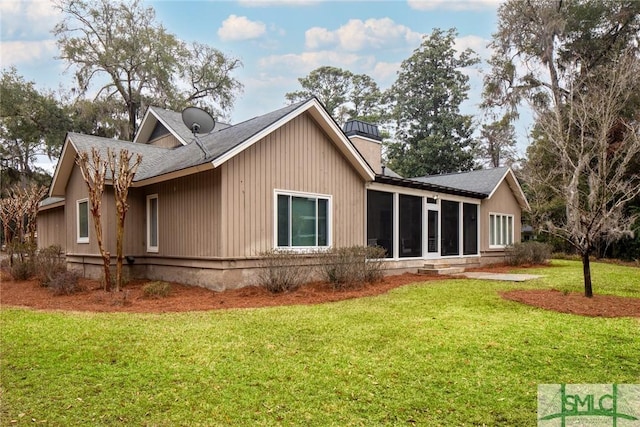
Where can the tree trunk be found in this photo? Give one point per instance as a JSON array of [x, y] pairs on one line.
[[106, 260], [586, 270]]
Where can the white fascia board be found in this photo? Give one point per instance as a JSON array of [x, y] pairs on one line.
[[518, 193], [173, 175], [165, 124], [63, 163]]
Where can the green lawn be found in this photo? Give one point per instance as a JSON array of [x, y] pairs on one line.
[[439, 353]]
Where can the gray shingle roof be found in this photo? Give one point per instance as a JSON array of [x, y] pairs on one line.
[[481, 181], [158, 161], [152, 156]]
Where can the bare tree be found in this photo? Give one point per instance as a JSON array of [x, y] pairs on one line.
[[594, 143], [122, 172], [93, 172], [18, 212]]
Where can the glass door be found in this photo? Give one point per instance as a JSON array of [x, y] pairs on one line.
[[433, 228]]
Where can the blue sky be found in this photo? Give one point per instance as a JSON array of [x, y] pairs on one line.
[[277, 41]]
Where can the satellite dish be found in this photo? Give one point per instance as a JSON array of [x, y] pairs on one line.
[[198, 120]]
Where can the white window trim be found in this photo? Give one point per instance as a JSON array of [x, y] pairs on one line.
[[496, 239], [328, 197], [78, 238], [148, 208]]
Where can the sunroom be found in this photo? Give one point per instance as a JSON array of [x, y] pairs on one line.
[[414, 220]]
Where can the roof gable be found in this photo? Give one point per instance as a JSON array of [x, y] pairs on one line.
[[225, 142]]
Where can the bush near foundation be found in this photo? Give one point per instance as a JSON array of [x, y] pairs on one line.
[[49, 263], [528, 253], [65, 283], [281, 270], [352, 266]]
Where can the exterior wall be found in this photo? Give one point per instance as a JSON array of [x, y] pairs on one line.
[[52, 228], [502, 202], [188, 217], [76, 190], [371, 151], [166, 141], [296, 157]]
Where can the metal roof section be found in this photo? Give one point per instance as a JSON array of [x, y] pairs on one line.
[[360, 128], [412, 183]]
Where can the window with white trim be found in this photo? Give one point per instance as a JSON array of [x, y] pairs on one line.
[[152, 223], [500, 230], [82, 229], [302, 220]]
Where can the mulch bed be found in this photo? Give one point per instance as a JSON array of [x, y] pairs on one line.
[[193, 298], [575, 303]]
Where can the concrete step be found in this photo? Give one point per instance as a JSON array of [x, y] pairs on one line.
[[441, 271]]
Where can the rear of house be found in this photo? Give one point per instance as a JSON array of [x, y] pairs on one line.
[[292, 180]]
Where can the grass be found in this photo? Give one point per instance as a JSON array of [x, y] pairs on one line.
[[440, 353]]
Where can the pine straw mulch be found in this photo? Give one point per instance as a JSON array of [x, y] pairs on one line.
[[192, 298]]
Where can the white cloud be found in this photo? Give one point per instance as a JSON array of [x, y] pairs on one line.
[[453, 4], [478, 44], [241, 28], [25, 52], [27, 19], [357, 35], [303, 63]]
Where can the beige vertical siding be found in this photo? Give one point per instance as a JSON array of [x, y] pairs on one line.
[[167, 141], [502, 202], [134, 224], [188, 215], [295, 157], [52, 228], [76, 190]]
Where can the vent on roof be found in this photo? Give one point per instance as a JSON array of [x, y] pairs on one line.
[[360, 128]]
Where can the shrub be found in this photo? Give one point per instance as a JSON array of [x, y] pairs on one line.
[[65, 283], [528, 253], [22, 269], [281, 270], [156, 289], [352, 266], [49, 263]]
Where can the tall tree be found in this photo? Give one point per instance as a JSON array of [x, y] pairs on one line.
[[344, 94], [594, 146], [550, 54], [31, 124], [432, 135], [497, 145], [123, 44]]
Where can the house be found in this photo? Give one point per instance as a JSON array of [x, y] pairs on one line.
[[290, 179]]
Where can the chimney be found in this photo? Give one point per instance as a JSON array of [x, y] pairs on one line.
[[367, 140]]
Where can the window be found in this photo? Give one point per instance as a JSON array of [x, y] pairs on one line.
[[450, 239], [302, 220], [410, 227], [152, 223], [380, 220], [500, 230], [469, 229], [82, 208]]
